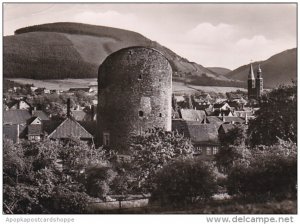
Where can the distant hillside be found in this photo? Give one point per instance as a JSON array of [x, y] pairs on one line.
[[75, 50], [278, 69], [219, 70]]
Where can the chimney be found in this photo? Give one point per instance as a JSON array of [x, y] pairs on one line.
[[68, 107], [92, 112]]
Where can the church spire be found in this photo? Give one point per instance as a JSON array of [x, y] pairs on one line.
[[259, 71], [251, 74]]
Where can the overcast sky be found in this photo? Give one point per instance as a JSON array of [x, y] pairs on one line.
[[222, 35]]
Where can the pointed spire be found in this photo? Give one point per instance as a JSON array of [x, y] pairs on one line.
[[251, 74], [258, 71]]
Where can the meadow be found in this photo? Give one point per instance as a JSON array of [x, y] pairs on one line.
[[65, 84]]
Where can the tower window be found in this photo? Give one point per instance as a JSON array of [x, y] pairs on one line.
[[141, 113], [106, 138]]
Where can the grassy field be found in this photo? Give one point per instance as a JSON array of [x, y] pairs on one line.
[[180, 88], [65, 84], [58, 84]]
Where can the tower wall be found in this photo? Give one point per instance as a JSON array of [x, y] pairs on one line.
[[135, 91], [259, 87]]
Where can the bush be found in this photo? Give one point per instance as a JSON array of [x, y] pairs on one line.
[[184, 181], [272, 172]]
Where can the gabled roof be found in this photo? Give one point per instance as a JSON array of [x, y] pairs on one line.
[[11, 131], [219, 105], [16, 116], [226, 127], [41, 114], [198, 133], [17, 103], [192, 115], [70, 128], [90, 126]]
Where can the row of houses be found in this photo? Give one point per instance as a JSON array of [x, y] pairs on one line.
[[21, 121]]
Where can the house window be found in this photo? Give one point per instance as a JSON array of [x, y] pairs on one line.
[[140, 77], [160, 114], [215, 150], [208, 151], [141, 113], [106, 138]]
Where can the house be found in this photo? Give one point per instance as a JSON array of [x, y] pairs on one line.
[[243, 113], [19, 105], [221, 106], [35, 129], [192, 115], [221, 113], [15, 123], [68, 128], [204, 137]]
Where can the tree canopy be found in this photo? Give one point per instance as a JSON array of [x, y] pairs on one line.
[[276, 118]]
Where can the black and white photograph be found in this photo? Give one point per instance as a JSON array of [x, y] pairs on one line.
[[149, 108]]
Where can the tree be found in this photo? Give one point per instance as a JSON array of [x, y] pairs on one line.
[[154, 149], [233, 147], [276, 117], [34, 183], [271, 172], [184, 181]]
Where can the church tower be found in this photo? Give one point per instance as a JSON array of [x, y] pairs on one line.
[[251, 84], [258, 83]]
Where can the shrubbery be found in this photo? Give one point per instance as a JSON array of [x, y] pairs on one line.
[[184, 181], [271, 172]]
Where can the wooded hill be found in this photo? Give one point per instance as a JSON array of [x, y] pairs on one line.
[[75, 50]]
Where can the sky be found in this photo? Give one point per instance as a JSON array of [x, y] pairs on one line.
[[213, 35]]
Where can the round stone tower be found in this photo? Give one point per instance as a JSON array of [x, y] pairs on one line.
[[135, 91]]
